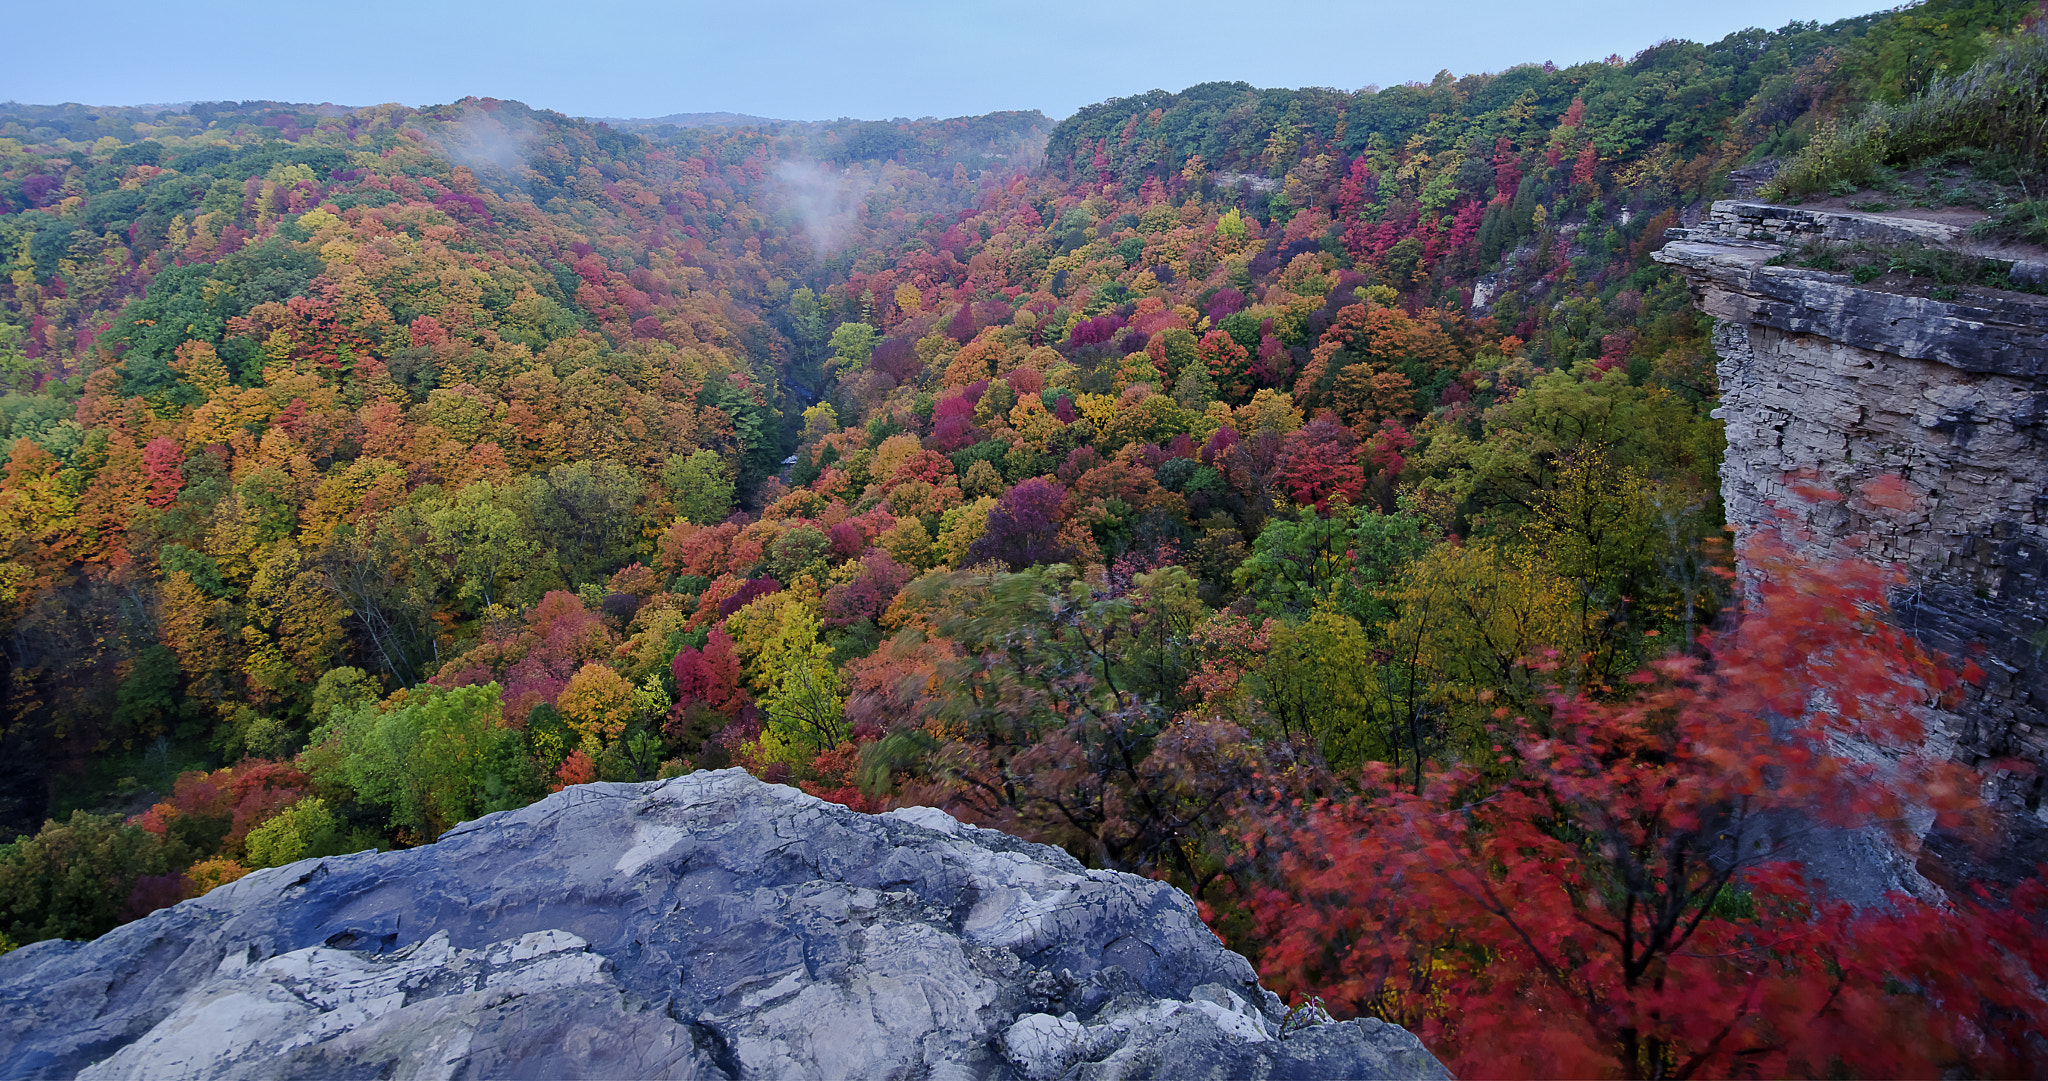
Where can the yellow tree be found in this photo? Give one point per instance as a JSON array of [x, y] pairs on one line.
[[188, 622], [294, 623], [1483, 625], [820, 421], [791, 672], [908, 543], [963, 525], [38, 518], [200, 367], [803, 697], [599, 705], [1318, 687], [480, 544], [908, 299], [890, 454]]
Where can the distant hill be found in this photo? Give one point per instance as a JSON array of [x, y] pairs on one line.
[[688, 120], [85, 123]]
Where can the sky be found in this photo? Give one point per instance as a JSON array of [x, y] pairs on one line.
[[810, 59]]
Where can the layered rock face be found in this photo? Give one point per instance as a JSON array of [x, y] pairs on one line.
[[709, 926], [1902, 430]]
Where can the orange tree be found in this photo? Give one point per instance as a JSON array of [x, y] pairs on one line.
[[1612, 896]]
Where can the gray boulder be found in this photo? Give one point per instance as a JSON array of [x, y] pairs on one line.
[[707, 926]]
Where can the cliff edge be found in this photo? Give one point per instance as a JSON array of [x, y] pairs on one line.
[[708, 926], [1870, 422]]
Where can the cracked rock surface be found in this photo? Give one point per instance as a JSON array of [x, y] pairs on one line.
[[706, 926]]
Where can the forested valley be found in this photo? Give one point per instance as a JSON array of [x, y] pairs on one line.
[[1306, 497]]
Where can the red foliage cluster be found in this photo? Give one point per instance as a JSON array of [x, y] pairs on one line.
[[236, 799], [1318, 462], [1612, 897], [533, 661], [835, 780]]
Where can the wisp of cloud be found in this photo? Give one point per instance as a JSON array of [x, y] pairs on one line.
[[493, 143], [825, 197]]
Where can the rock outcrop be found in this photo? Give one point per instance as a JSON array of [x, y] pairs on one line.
[[1900, 429], [702, 927]]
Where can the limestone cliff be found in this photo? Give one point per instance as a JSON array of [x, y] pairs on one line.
[[1901, 429], [703, 927]]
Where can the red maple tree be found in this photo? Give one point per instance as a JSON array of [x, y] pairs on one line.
[[1611, 896]]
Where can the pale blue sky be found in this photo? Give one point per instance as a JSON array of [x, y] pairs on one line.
[[805, 59]]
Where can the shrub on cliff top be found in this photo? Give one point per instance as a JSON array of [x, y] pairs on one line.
[[2000, 104]]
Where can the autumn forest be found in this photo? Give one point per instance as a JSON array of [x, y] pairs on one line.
[[1306, 497]]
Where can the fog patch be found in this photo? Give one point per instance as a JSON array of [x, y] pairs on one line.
[[494, 144], [827, 199], [1026, 154]]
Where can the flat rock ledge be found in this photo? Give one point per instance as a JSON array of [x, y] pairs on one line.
[[708, 926]]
